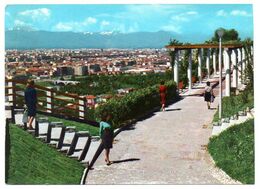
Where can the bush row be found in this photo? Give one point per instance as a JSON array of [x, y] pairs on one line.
[[233, 104], [135, 104]]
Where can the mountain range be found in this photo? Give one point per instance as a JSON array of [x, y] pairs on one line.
[[22, 39]]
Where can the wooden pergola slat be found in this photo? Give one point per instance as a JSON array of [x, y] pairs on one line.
[[203, 46]]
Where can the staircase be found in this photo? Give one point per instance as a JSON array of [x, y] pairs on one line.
[[79, 145]]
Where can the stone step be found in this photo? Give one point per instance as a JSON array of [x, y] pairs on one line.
[[91, 151], [216, 130], [43, 128]]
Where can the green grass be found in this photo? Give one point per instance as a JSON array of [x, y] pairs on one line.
[[233, 104], [233, 151], [33, 162], [79, 126]]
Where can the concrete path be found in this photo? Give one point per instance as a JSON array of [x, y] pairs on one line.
[[167, 148]]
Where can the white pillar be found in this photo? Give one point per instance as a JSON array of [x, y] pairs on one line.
[[199, 64], [49, 95], [214, 62], [239, 66], [208, 63], [243, 64], [235, 71], [190, 69], [227, 70], [176, 67]]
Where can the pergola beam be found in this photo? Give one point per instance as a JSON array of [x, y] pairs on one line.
[[202, 46]]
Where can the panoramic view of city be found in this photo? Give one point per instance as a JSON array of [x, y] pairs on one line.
[[129, 94]]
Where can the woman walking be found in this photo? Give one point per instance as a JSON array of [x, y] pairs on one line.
[[30, 97], [162, 91], [208, 95], [106, 134]]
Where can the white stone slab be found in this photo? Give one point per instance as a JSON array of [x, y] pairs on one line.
[[91, 151]]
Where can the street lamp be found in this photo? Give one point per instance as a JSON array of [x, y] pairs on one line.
[[220, 33]]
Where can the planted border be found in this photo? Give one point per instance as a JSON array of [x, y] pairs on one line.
[[135, 104]]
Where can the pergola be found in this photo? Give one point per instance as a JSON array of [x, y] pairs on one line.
[[233, 59]]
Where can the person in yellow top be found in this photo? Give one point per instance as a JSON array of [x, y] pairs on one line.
[[106, 134]]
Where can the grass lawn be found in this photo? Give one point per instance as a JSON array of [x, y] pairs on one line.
[[33, 162], [233, 151], [79, 126], [233, 104]]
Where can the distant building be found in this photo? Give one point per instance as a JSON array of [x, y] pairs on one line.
[[94, 68], [80, 70], [64, 70]]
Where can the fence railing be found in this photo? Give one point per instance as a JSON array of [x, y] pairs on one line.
[[49, 101]]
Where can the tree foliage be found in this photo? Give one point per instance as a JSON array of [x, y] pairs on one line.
[[229, 36]]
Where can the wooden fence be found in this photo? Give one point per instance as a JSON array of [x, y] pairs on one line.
[[49, 101]]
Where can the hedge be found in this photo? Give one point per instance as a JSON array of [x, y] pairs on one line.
[[135, 103]]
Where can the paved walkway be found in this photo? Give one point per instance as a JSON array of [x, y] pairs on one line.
[[166, 148]]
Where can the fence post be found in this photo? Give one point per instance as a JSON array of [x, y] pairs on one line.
[[82, 108], [11, 92], [49, 95]]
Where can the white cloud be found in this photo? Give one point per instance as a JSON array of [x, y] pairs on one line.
[[64, 26], [105, 23], [192, 13], [221, 13], [75, 26], [180, 18], [7, 13], [19, 23], [184, 17], [89, 20], [37, 14], [240, 13], [172, 28]]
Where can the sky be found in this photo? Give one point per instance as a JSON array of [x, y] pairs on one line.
[[186, 19]]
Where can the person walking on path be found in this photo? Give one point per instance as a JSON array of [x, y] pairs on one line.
[[208, 95], [162, 91], [30, 97], [106, 134]]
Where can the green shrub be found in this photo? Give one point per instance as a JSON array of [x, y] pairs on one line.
[[135, 104], [233, 104]]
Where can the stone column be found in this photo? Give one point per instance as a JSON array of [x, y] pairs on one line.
[[190, 69], [214, 62], [199, 64], [227, 70], [239, 66], [176, 67], [235, 69], [208, 63], [243, 64]]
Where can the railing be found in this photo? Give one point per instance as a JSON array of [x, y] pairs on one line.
[[49, 101]]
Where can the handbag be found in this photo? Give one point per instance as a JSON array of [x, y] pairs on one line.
[[25, 116], [212, 98]]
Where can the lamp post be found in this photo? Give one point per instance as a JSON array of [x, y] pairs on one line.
[[220, 33]]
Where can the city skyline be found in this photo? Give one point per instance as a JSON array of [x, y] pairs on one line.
[[183, 19]]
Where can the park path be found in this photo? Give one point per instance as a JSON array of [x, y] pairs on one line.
[[166, 148]]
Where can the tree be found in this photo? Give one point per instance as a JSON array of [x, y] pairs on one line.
[[229, 36]]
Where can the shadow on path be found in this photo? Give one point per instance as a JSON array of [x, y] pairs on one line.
[[176, 109], [125, 160]]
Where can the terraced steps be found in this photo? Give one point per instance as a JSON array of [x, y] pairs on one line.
[[79, 145]]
